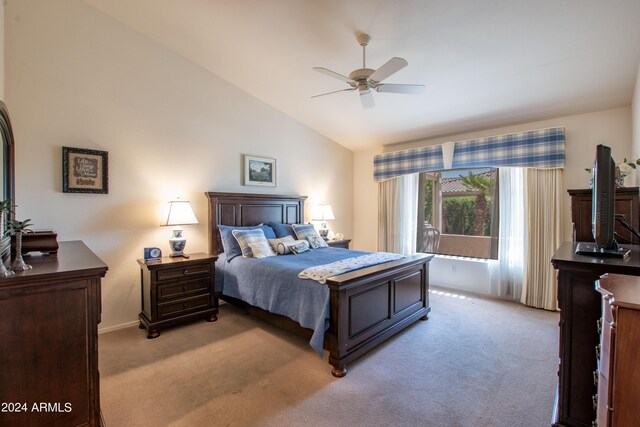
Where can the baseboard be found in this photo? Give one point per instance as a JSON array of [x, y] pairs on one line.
[[116, 327]]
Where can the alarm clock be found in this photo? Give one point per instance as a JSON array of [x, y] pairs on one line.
[[152, 253]]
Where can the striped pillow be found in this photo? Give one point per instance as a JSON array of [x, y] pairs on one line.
[[308, 232], [244, 237], [261, 249]]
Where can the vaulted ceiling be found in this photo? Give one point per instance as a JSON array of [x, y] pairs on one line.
[[484, 63]]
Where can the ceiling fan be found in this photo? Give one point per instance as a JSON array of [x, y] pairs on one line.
[[364, 80]]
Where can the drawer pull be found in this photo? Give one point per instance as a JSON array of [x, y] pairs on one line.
[[599, 323], [186, 271], [595, 377], [594, 398], [598, 352], [594, 423], [184, 289], [184, 306]]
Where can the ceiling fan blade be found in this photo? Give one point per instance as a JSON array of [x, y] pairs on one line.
[[335, 91], [396, 88], [366, 97], [333, 74], [392, 66]]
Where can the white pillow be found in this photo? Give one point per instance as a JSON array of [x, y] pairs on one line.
[[261, 249]]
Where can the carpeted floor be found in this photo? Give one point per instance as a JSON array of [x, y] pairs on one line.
[[475, 362]]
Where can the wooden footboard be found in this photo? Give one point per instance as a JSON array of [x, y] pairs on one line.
[[370, 305]]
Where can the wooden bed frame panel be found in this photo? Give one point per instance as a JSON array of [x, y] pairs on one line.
[[368, 306]]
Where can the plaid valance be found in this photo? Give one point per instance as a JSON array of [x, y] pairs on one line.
[[541, 149], [406, 162]]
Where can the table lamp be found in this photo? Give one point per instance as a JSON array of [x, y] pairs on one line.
[[180, 213], [323, 212]]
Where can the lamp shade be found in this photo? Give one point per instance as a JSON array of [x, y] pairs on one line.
[[180, 213], [322, 212]]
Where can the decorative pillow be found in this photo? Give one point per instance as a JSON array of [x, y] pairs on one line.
[[316, 242], [284, 248], [275, 242], [244, 237], [299, 246], [229, 242], [261, 249], [282, 230], [304, 231]]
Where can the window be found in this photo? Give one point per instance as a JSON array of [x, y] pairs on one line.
[[458, 213]]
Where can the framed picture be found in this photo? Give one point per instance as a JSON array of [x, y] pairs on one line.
[[259, 171], [85, 171]]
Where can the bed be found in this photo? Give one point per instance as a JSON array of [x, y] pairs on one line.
[[366, 307]]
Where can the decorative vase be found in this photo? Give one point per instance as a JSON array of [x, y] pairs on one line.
[[18, 263], [619, 176]]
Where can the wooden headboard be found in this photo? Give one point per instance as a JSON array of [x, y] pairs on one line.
[[243, 209]]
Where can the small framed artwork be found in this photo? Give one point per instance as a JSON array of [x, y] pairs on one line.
[[85, 171], [259, 171]]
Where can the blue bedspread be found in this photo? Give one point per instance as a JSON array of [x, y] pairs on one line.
[[273, 284]]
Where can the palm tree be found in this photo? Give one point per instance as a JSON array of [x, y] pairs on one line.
[[481, 185]]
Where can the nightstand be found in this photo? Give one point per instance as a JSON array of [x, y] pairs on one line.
[[344, 243], [177, 290]]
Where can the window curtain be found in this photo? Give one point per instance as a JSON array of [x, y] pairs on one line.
[[507, 272], [398, 214], [543, 191]]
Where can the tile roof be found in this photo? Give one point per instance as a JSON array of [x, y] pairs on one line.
[[454, 186]]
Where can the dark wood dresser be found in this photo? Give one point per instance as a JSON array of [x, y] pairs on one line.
[[49, 333], [627, 203], [177, 290], [580, 310], [618, 375]]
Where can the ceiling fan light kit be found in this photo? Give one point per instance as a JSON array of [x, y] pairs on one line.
[[364, 79]]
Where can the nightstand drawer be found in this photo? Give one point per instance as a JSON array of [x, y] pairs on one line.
[[185, 306], [183, 289], [183, 271]]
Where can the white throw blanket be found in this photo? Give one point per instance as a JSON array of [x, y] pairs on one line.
[[320, 273]]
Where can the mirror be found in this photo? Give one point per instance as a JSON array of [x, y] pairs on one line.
[[7, 178]]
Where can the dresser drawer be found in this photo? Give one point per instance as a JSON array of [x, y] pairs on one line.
[[184, 306], [183, 271], [184, 289]]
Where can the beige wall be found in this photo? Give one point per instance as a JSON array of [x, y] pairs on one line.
[[583, 132], [365, 201], [75, 77]]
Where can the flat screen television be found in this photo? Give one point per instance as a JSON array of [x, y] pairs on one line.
[[603, 208]]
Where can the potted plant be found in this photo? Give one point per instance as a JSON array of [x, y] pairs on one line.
[[16, 228]]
